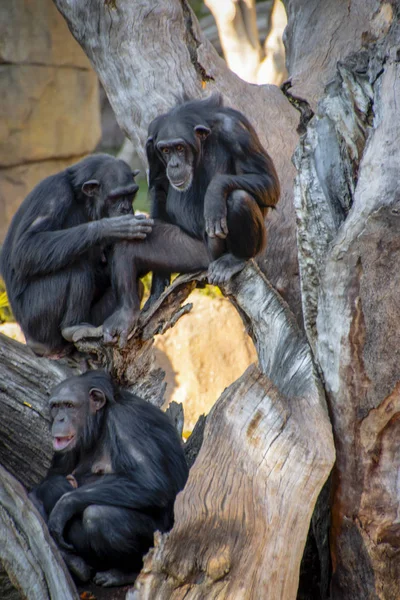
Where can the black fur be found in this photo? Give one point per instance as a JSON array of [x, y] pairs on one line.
[[217, 222], [126, 505], [232, 149], [53, 258]]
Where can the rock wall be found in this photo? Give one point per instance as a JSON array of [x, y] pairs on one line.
[[204, 353], [49, 109]]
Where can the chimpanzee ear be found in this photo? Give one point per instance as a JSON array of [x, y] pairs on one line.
[[90, 188], [202, 132], [135, 173], [149, 145], [156, 167], [97, 399]]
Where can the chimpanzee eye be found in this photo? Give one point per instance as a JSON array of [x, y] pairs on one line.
[[180, 148], [165, 150], [68, 405]]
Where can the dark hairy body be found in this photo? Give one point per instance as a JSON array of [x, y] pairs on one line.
[[56, 255], [211, 184], [117, 468]]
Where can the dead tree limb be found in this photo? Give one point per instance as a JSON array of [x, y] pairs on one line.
[[267, 451], [27, 551]]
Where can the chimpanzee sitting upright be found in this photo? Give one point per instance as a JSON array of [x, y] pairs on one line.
[[117, 468], [53, 258], [211, 184]]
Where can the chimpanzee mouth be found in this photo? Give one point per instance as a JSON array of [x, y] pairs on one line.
[[61, 443], [181, 186]]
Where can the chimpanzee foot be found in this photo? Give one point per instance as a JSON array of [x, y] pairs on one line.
[[150, 301], [226, 266], [120, 324], [44, 351], [113, 577], [77, 566], [74, 333]]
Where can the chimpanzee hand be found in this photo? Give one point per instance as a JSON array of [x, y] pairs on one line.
[[72, 481], [60, 515], [215, 211], [216, 227], [127, 227]]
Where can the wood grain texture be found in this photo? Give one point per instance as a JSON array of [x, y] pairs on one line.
[[25, 384], [27, 551], [320, 34], [358, 351], [267, 450], [347, 202]]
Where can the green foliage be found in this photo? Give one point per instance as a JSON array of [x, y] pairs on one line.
[[211, 291], [5, 309], [141, 201], [198, 7]]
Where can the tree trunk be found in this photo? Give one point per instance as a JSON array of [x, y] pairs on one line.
[[343, 67], [238, 33], [25, 382], [356, 340], [27, 551], [266, 453], [288, 437], [347, 203]]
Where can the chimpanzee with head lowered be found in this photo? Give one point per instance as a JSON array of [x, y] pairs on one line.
[[211, 184], [117, 468], [54, 258]]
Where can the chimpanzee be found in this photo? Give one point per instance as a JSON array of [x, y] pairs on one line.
[[54, 256], [211, 183], [117, 468]]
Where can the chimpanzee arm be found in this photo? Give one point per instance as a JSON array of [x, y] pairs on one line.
[[46, 495], [253, 171], [41, 250], [263, 187], [160, 280], [111, 490]]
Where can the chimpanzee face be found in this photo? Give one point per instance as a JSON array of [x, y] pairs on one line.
[[73, 412], [178, 158], [178, 146], [112, 194]]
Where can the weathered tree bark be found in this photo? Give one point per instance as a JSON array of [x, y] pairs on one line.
[[27, 551], [289, 438], [344, 79], [347, 203], [357, 336], [25, 383], [266, 453]]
